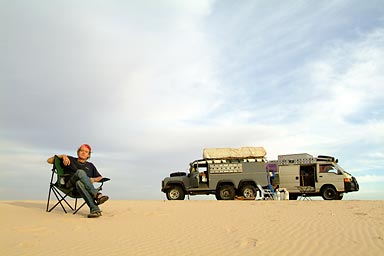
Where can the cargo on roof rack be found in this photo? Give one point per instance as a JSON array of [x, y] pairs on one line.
[[234, 153]]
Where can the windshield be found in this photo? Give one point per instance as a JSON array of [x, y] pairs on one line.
[[338, 167], [329, 168], [332, 168], [197, 166]]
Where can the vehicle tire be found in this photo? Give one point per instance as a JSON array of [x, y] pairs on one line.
[[225, 192], [329, 193], [175, 193], [248, 191]]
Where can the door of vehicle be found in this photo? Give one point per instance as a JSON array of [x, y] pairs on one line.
[[328, 174], [194, 179], [289, 176]]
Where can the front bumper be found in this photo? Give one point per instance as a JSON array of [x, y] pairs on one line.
[[351, 185]]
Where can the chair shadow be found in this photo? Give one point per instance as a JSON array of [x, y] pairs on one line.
[[27, 204], [42, 206]]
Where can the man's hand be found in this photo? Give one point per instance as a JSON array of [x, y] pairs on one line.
[[96, 179], [66, 160]]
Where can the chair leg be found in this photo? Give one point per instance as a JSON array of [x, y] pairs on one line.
[[49, 197], [81, 206], [60, 199], [52, 188]]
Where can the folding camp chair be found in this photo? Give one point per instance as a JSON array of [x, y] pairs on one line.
[[305, 192], [60, 190]]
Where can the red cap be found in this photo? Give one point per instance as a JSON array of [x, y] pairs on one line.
[[87, 146]]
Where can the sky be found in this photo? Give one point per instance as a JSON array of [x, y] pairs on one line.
[[150, 83]]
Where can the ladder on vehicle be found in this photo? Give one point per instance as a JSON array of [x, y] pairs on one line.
[[266, 193]]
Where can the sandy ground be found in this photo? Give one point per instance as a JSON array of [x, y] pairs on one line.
[[196, 228]]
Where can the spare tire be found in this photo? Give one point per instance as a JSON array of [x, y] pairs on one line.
[[176, 174]]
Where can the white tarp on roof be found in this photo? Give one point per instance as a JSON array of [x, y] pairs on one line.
[[244, 152]]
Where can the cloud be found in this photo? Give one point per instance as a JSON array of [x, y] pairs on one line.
[[342, 73], [371, 179], [149, 84]]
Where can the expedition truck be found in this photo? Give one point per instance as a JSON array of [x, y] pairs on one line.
[[224, 172], [312, 176]]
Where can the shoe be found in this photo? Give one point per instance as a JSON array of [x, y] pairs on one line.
[[94, 215], [100, 199]]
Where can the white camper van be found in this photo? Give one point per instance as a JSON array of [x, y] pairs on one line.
[[314, 176]]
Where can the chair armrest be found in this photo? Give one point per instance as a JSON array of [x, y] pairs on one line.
[[104, 180]]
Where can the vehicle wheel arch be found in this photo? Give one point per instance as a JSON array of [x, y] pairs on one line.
[[175, 183], [225, 182], [244, 183]]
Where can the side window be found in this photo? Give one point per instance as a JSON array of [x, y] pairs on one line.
[[202, 168], [328, 168]]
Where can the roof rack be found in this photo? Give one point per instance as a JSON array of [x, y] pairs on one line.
[[303, 159], [298, 161]]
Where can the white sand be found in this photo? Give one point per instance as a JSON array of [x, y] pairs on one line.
[[196, 228]]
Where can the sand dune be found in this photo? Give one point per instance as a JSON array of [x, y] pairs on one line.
[[196, 228]]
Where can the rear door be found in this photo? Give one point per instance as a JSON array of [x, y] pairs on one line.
[[289, 177]]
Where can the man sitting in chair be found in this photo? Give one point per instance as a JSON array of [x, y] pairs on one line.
[[84, 174]]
